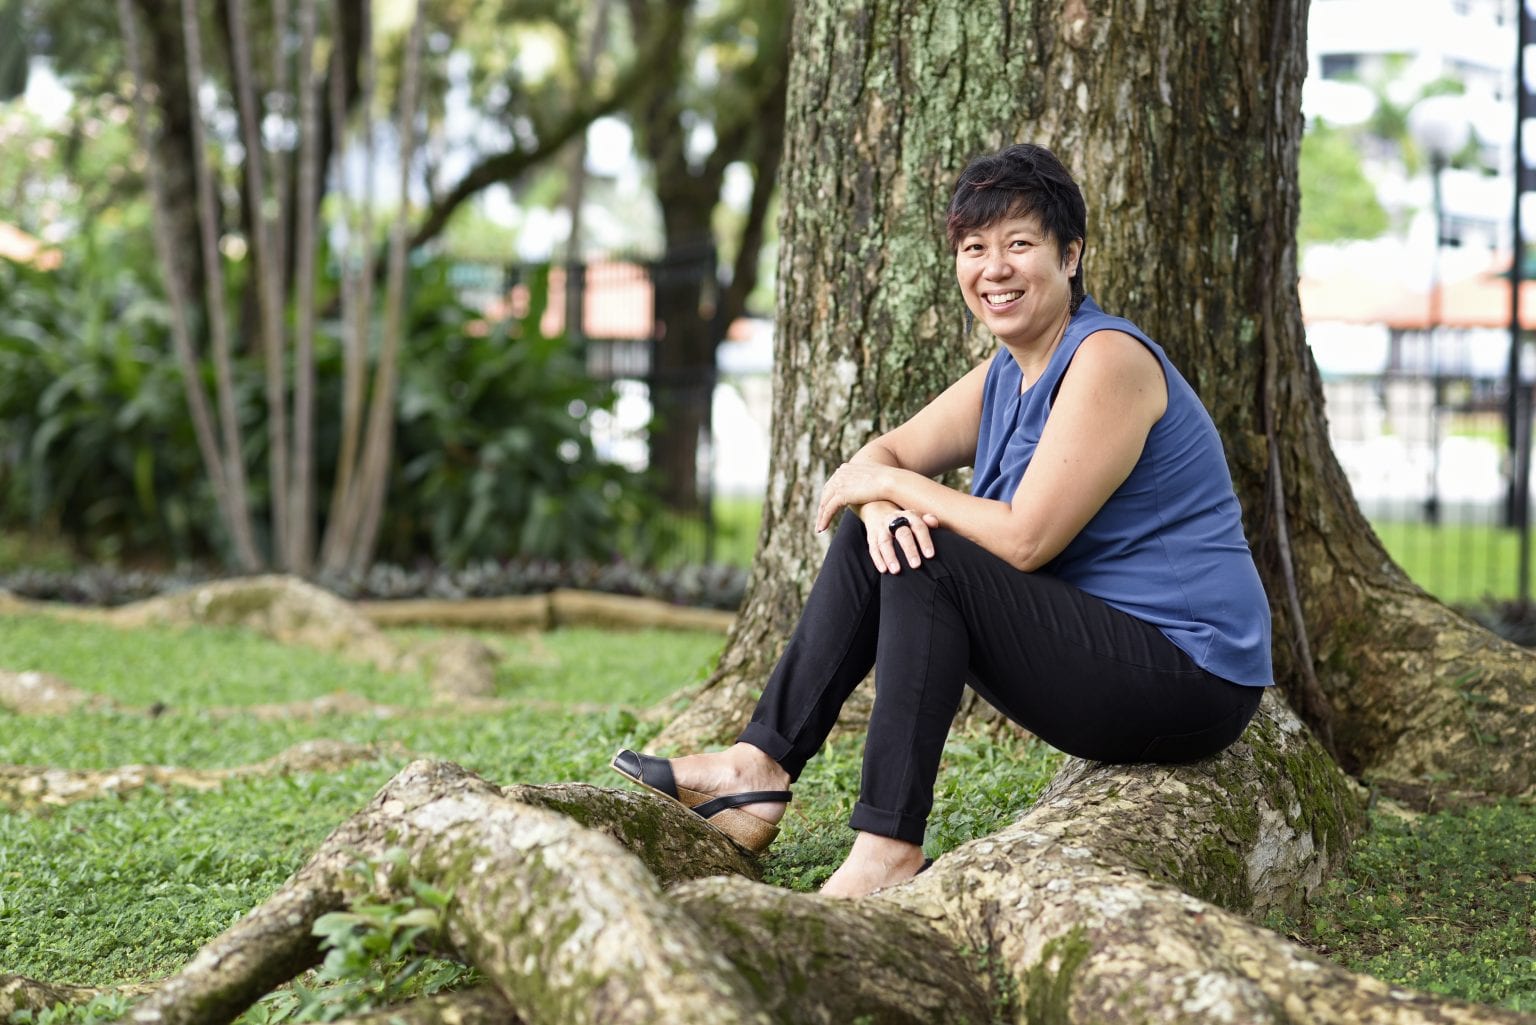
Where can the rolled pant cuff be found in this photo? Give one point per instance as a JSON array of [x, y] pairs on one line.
[[894, 824], [774, 746]]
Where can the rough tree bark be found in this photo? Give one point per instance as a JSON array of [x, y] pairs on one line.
[[1182, 121]]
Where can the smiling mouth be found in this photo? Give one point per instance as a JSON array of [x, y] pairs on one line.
[[1001, 298]]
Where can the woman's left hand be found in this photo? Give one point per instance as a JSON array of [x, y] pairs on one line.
[[851, 486]]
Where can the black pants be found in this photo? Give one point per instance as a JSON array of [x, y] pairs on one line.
[[1083, 676]]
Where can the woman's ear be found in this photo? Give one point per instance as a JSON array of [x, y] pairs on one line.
[[1073, 254]]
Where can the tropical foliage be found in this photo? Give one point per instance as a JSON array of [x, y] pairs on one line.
[[492, 456]]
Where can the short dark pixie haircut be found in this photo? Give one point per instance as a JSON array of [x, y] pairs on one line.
[[1021, 180]]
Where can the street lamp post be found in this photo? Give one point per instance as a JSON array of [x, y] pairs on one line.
[[1517, 412], [1439, 125]]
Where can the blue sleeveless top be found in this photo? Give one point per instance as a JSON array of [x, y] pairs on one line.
[[1168, 545]]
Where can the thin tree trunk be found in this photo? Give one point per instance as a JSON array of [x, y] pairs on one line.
[[269, 281], [683, 353], [226, 473], [306, 243], [218, 316], [280, 167], [576, 186], [162, 59], [373, 478], [357, 306]]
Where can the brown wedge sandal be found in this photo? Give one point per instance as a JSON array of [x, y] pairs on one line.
[[744, 829]]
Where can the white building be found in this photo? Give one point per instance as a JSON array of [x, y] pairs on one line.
[[1399, 48], [1408, 301]]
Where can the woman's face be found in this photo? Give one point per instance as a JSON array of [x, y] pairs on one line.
[[1014, 279]]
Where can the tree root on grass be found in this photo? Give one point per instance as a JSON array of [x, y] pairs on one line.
[[28, 787], [1120, 896]]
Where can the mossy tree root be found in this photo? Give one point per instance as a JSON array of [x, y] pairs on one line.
[[1127, 893], [30, 787], [1120, 896], [479, 1006], [570, 925]]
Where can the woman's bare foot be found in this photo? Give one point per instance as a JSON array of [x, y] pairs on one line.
[[739, 769], [874, 863]]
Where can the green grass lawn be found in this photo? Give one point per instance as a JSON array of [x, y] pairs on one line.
[[736, 520], [125, 889], [1457, 562], [1443, 902]]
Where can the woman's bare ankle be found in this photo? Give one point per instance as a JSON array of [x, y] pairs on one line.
[[738, 769], [757, 769], [874, 863]]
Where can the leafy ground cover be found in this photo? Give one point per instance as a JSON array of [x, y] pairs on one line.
[[125, 889], [1443, 902]]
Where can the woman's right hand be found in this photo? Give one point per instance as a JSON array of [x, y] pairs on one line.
[[886, 547]]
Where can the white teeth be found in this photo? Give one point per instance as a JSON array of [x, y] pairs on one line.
[[999, 298]]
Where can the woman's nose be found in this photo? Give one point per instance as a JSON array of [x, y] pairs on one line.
[[996, 267]]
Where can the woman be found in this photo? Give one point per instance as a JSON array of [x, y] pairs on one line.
[[1095, 585]]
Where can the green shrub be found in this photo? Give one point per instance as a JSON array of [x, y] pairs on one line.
[[492, 459], [95, 443]]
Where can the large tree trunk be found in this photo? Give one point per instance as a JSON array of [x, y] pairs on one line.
[[1182, 122]]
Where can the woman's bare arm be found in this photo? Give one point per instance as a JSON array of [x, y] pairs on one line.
[[1106, 405]]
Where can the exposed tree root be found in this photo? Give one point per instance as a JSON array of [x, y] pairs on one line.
[[33, 693], [27, 787], [1118, 897], [291, 611], [482, 1006], [562, 920], [823, 961], [1434, 706], [18, 993], [344, 703], [341, 702], [286, 609], [54, 697], [546, 612], [459, 668]]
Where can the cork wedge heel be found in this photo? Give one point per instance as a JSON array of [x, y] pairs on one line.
[[744, 829]]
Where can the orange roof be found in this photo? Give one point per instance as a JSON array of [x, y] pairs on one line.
[[16, 245], [1478, 301], [618, 304]]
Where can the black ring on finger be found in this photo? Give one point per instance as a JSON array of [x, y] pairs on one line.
[[897, 522]]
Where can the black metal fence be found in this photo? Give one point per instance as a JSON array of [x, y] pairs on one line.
[[1427, 452], [608, 311], [1429, 457]]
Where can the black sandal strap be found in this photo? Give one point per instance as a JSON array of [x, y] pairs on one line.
[[648, 770], [719, 804]]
